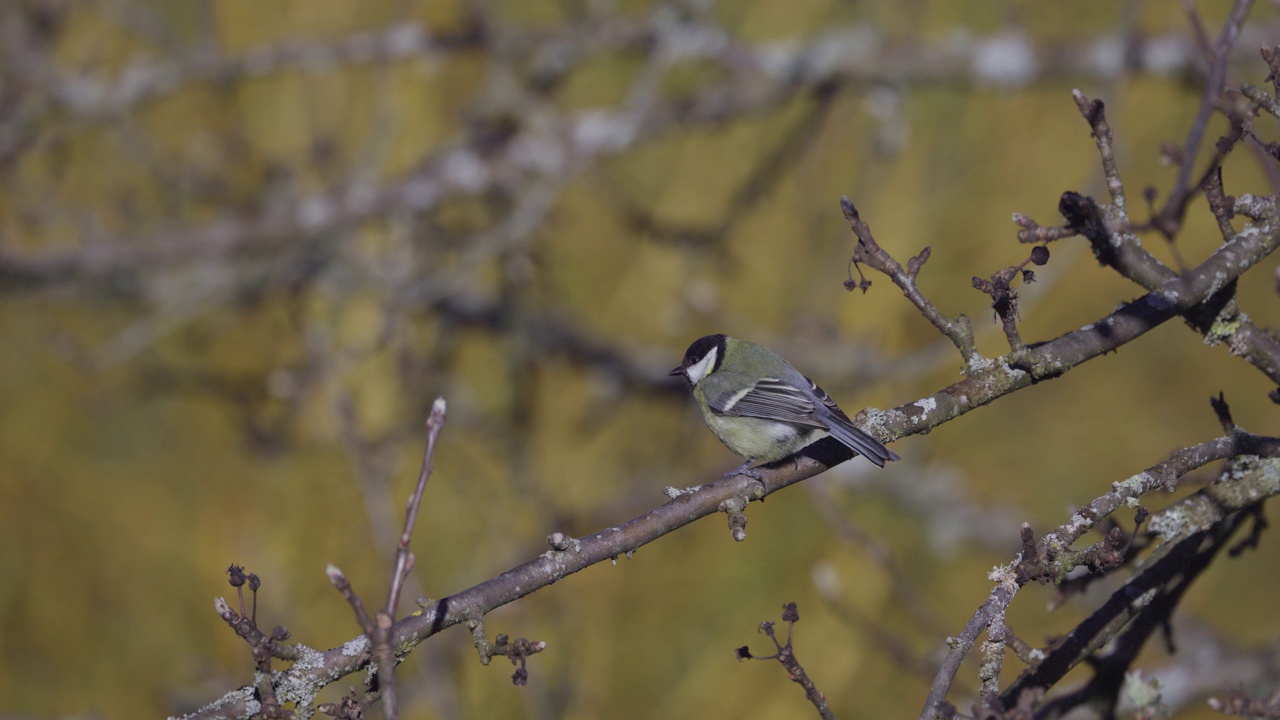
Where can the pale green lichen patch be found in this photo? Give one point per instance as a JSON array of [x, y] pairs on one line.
[[1135, 485], [357, 646], [674, 492], [1222, 329], [1002, 573], [1253, 479], [927, 405], [245, 696], [1078, 523], [990, 669], [1169, 524], [874, 417], [1196, 513], [976, 365], [299, 686], [1050, 362]]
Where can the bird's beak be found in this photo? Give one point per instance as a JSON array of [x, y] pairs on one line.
[[677, 371]]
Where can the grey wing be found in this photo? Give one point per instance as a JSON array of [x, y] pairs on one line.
[[843, 429], [773, 399], [777, 399]]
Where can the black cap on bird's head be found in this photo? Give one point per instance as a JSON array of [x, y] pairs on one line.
[[697, 352]]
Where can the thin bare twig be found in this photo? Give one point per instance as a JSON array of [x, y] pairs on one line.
[[378, 627], [786, 655], [1169, 220], [1219, 320], [381, 634], [959, 331], [404, 559]]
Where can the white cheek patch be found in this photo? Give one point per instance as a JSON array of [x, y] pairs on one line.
[[699, 370]]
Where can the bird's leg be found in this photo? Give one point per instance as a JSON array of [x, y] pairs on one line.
[[753, 473]]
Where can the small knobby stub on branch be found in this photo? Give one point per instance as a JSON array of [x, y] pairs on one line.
[[516, 650], [1115, 550], [338, 579], [1095, 113], [735, 508], [352, 706], [1035, 233], [917, 262], [1004, 299], [560, 542], [1084, 217], [1053, 564]]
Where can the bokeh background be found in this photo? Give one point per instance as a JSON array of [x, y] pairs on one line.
[[244, 245]]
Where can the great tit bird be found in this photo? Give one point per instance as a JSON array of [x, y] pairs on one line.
[[761, 407]]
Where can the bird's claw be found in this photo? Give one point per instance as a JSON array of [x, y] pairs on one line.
[[746, 469]]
